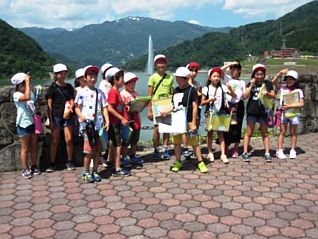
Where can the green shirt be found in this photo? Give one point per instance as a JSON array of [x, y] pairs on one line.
[[165, 88]]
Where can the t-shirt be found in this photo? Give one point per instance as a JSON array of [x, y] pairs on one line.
[[254, 105], [25, 110], [182, 97], [285, 90], [213, 92], [86, 99], [59, 95], [105, 86], [128, 97], [115, 100], [165, 87], [238, 87]]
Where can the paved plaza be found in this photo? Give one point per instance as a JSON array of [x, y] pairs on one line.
[[238, 200]]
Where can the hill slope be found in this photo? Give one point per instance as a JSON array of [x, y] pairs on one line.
[[299, 27], [116, 41], [19, 52]]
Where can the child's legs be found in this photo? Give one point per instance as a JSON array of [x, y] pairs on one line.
[[249, 131], [156, 136], [210, 138], [55, 140], [293, 135], [117, 157], [87, 161], [68, 140], [25, 141], [166, 139], [185, 141], [177, 139], [96, 152], [264, 130], [134, 141], [194, 141], [221, 142], [34, 149], [281, 136]]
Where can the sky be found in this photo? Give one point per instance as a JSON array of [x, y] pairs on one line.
[[78, 13]]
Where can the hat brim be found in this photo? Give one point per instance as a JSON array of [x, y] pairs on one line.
[[132, 79], [91, 68], [161, 59]]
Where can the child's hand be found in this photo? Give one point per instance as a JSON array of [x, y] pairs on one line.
[[163, 114], [127, 108], [283, 72], [106, 127], [27, 78], [265, 92], [212, 100], [286, 107], [82, 117], [253, 81], [193, 127], [124, 122]]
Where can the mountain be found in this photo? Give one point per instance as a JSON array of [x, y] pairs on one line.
[[299, 28], [20, 53], [114, 41]]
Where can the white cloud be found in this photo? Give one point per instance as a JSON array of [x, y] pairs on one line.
[[193, 21], [252, 8]]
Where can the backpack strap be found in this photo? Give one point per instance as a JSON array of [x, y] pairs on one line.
[[154, 92]]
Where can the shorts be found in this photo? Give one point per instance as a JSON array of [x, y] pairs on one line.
[[193, 141], [60, 123], [114, 135], [134, 138], [291, 120], [87, 148], [256, 119], [22, 132]]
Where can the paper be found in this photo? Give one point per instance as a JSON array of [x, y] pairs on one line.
[[139, 103], [291, 99], [267, 102], [103, 137], [161, 105], [219, 122], [176, 123]]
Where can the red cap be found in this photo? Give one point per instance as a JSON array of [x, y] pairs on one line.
[[215, 69], [193, 65]]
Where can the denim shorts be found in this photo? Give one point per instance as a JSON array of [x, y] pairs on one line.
[[60, 123], [256, 119], [22, 132], [291, 120]]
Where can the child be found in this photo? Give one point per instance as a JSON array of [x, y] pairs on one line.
[[87, 110], [290, 86], [23, 100], [236, 104], [117, 116], [214, 97], [60, 100], [80, 81], [160, 84], [128, 95], [186, 96], [255, 110]]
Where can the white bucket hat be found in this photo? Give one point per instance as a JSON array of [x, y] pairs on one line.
[[129, 76], [112, 71], [182, 72], [59, 67], [18, 78], [292, 74], [79, 73]]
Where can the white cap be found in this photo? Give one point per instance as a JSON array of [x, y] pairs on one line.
[[112, 71], [18, 78], [79, 73], [182, 72], [90, 68], [59, 67], [105, 67], [258, 67], [159, 57], [129, 76], [292, 74]]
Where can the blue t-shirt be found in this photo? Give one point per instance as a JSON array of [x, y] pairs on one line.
[[25, 110]]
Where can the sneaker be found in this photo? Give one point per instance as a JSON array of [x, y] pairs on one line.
[[70, 165], [235, 154], [87, 177], [186, 154], [211, 157], [121, 172], [224, 159], [202, 167], [125, 162], [136, 160], [292, 154], [51, 168], [280, 154], [165, 154], [245, 157], [176, 166], [35, 170], [108, 163], [26, 173], [268, 158], [96, 177]]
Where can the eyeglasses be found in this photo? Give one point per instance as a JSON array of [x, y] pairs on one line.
[[194, 70]]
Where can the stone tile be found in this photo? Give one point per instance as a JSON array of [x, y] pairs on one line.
[[155, 232], [292, 232], [43, 233], [180, 234], [85, 227]]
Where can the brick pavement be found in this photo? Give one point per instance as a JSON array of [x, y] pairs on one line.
[[239, 200]]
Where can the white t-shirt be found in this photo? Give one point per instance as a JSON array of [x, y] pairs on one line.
[[285, 90], [238, 86], [105, 87], [25, 110], [212, 92], [86, 99]]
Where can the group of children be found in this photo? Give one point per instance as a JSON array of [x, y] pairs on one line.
[[95, 111]]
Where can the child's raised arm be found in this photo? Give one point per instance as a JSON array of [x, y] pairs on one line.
[[277, 76], [26, 96]]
